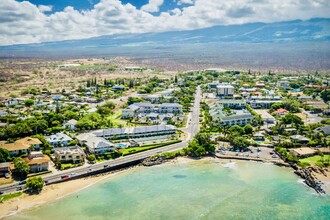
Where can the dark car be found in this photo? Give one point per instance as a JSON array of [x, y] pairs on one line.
[[22, 182], [106, 165], [1, 192]]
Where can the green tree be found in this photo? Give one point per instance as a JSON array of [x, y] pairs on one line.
[[29, 102], [91, 157], [35, 183], [4, 155], [236, 129], [248, 129], [239, 142], [21, 168], [325, 95]]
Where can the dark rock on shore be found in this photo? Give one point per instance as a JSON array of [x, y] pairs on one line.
[[151, 161], [306, 173]]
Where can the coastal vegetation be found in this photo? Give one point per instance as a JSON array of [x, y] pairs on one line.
[[35, 184]]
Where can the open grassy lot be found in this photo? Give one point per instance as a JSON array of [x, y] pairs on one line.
[[134, 150], [315, 159], [10, 196], [111, 68]]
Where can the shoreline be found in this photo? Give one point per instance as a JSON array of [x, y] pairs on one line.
[[58, 191]]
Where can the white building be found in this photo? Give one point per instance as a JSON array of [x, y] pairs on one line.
[[71, 124], [170, 108], [69, 155], [59, 139], [225, 90], [95, 145]]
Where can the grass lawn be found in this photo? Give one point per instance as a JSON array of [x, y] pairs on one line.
[[134, 150], [184, 122], [10, 196], [117, 121], [69, 165], [314, 159]]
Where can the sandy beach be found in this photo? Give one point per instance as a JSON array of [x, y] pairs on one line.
[[51, 193]]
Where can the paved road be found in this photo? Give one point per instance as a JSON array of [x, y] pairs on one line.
[[192, 128]]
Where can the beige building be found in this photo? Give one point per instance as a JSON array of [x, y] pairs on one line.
[[37, 161], [22, 146], [303, 152], [69, 155]]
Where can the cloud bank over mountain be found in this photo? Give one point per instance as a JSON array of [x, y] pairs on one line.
[[24, 22]]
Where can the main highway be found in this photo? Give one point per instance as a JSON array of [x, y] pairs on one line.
[[191, 129]]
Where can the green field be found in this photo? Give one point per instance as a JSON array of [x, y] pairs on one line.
[[10, 196], [314, 159], [134, 150]]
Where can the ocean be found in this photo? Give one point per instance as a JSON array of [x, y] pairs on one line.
[[201, 189]]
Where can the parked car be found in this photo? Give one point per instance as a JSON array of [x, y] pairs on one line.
[[7, 175], [1, 192], [22, 182]]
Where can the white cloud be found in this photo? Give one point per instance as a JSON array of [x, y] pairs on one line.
[[185, 2], [45, 8], [23, 22], [152, 6]]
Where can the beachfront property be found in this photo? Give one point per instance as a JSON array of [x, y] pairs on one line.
[[234, 117], [224, 90], [69, 155], [37, 161], [22, 146], [59, 140], [95, 144], [132, 132], [303, 152]]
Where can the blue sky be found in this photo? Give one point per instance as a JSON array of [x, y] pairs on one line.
[[37, 21]]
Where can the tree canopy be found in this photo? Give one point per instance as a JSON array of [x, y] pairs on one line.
[[35, 183]]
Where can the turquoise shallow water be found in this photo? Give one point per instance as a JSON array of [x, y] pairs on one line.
[[195, 190]]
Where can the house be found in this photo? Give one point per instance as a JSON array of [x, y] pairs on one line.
[[266, 117], [69, 155], [3, 113], [4, 168], [71, 124], [59, 139], [22, 146], [170, 108], [299, 139], [95, 144], [57, 97], [281, 112], [118, 87], [284, 84], [259, 137], [225, 90], [37, 161], [303, 152], [325, 130]]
